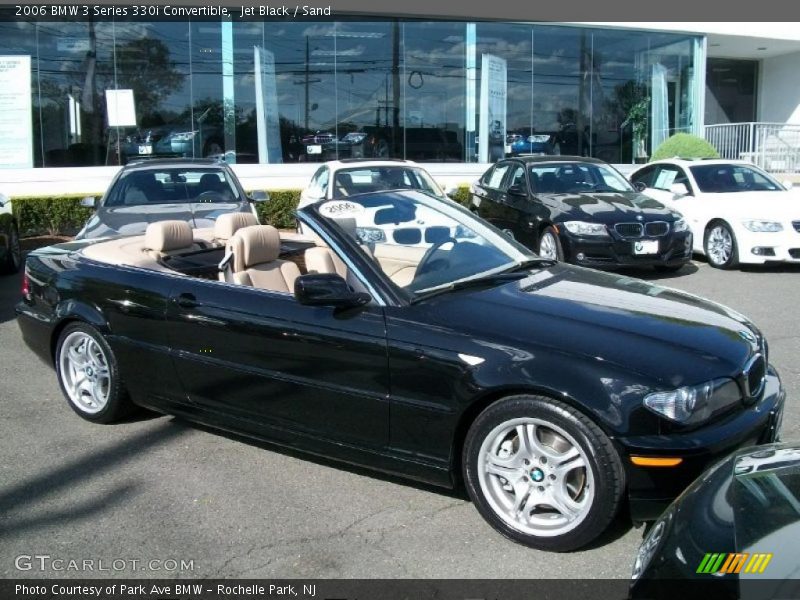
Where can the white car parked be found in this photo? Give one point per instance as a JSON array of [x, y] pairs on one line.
[[737, 212], [341, 179]]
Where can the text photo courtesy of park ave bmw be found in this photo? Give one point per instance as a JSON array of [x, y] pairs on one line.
[[432, 300]]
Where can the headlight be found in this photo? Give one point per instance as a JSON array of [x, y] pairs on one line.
[[680, 225], [584, 228], [183, 136], [762, 226], [650, 544], [694, 404], [370, 235]]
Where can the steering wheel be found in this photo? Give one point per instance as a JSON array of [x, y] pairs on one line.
[[426, 265], [209, 196]]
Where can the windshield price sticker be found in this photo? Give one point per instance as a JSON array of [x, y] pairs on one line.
[[340, 208]]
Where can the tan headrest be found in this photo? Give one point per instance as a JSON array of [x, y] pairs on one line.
[[255, 245], [229, 223], [163, 236]]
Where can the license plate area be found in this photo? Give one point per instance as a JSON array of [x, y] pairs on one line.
[[645, 247], [314, 149], [145, 149]]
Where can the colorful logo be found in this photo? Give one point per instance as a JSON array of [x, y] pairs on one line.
[[734, 562]]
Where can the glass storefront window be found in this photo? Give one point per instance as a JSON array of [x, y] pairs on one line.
[[287, 92]]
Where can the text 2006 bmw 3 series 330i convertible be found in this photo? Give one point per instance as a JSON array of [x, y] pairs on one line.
[[454, 356]]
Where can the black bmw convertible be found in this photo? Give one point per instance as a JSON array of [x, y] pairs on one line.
[[581, 210], [554, 394]]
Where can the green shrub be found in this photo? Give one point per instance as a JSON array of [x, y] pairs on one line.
[[461, 195], [278, 211], [51, 215], [685, 145]]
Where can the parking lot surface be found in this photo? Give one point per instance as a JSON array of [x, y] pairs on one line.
[[155, 489]]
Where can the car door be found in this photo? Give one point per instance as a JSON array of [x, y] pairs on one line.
[[262, 358], [522, 213], [489, 199], [661, 181]]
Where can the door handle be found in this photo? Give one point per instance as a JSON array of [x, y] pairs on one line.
[[187, 301]]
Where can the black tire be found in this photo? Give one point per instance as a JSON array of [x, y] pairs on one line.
[[117, 405], [668, 268], [598, 455], [551, 232], [13, 259], [711, 232]]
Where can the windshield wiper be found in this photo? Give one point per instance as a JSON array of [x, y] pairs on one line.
[[475, 282], [531, 262]]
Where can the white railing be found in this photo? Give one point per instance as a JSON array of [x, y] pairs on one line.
[[775, 147]]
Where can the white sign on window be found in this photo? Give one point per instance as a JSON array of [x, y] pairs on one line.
[[492, 126], [16, 117], [121, 108]]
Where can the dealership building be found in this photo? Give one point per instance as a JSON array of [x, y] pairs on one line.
[[91, 95]]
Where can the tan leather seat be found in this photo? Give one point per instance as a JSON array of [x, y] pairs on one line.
[[166, 237], [322, 260], [224, 229], [255, 260], [229, 223]]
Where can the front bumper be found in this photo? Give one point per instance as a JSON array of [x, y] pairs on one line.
[[673, 249], [780, 246], [652, 489]]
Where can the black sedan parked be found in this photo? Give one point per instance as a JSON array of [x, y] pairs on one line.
[[581, 210], [553, 392], [10, 252], [195, 191], [732, 534]]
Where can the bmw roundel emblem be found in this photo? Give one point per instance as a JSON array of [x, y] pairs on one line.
[[639, 217]]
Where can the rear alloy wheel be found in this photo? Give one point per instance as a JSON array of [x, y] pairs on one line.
[[88, 375], [542, 473], [13, 260], [720, 246], [550, 245]]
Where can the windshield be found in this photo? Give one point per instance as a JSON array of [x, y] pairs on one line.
[[724, 179], [170, 185], [575, 178], [362, 180], [419, 242]]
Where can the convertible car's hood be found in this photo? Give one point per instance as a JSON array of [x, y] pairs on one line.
[[131, 220], [665, 334], [606, 207]]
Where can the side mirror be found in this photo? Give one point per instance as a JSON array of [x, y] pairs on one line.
[[679, 189], [89, 202], [4, 200], [259, 196], [788, 183], [327, 289], [517, 190], [639, 186]]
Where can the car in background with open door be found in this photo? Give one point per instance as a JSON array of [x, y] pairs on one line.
[[738, 213]]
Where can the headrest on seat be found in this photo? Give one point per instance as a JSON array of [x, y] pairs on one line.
[[164, 236], [229, 223], [256, 244]]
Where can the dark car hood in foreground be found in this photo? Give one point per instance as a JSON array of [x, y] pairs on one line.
[[132, 220], [607, 207], [665, 334]]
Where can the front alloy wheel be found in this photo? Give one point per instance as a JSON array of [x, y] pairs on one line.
[[542, 473], [720, 247], [549, 245]]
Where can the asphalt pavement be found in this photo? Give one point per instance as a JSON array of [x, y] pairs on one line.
[[132, 498]]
